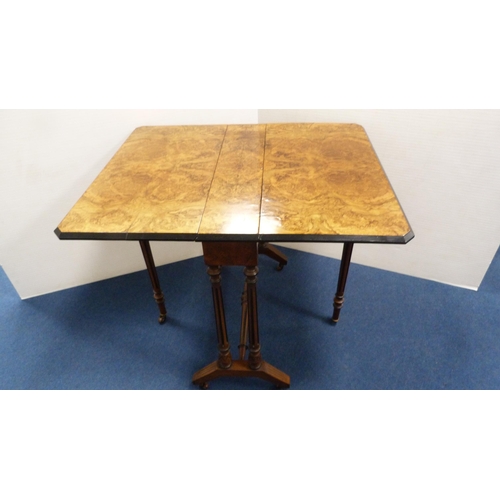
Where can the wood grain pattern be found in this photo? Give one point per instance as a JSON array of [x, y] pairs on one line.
[[325, 179], [278, 181], [233, 205], [158, 182]]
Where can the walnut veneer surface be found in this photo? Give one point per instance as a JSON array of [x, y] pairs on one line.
[[281, 182]]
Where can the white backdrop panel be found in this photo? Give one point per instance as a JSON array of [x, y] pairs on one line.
[[445, 168], [47, 160]]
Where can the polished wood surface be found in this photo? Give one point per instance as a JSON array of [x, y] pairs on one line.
[[158, 183], [230, 253], [325, 179], [287, 182], [233, 205], [235, 188]]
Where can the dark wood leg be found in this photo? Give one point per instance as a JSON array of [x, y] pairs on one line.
[[157, 293], [225, 360], [274, 253], [254, 356], [244, 324], [338, 301], [237, 254]]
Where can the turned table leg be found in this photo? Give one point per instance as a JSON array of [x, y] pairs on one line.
[[157, 293], [225, 360], [242, 347], [338, 301], [254, 355], [217, 254]]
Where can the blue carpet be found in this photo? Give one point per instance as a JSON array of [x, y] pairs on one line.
[[395, 331]]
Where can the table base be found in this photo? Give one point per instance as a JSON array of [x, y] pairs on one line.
[[216, 255], [241, 368]]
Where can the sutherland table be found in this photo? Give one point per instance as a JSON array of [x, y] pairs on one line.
[[235, 189]]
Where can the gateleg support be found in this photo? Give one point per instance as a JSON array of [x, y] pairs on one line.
[[153, 275], [338, 301]]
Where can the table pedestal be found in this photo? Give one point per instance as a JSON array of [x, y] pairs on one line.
[[216, 255]]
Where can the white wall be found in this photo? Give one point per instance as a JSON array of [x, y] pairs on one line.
[[445, 168], [47, 159], [443, 164]]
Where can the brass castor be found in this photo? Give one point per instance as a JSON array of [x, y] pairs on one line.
[[203, 386], [280, 267], [162, 319]]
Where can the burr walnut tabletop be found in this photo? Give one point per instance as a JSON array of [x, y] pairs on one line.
[[281, 182], [235, 188]]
